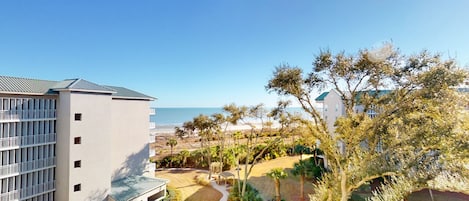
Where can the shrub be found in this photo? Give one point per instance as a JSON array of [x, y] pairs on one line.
[[173, 194], [251, 193], [202, 180]]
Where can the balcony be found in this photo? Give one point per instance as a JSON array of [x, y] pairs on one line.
[[19, 141], [152, 111], [152, 125], [26, 193], [152, 152], [17, 115], [152, 139], [27, 166], [9, 196]]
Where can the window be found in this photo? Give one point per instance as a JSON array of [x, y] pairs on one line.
[[77, 116], [77, 164], [77, 140], [76, 187]]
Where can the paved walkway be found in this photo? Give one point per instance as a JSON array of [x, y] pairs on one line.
[[221, 188]]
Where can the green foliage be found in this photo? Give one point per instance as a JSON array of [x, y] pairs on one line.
[[356, 197], [417, 125], [277, 173], [251, 193], [308, 168], [173, 194]]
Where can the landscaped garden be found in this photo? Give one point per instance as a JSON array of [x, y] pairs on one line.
[[401, 141]]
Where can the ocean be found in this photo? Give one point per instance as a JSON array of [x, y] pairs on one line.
[[166, 119]]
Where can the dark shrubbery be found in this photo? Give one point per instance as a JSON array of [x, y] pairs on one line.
[[251, 193]]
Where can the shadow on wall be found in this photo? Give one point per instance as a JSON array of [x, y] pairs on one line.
[[98, 195], [135, 164]]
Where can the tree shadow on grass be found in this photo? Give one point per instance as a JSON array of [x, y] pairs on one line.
[[206, 194], [437, 196]]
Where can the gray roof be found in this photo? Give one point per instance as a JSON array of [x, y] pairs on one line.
[[122, 92], [131, 187], [82, 85], [25, 85], [15, 85]]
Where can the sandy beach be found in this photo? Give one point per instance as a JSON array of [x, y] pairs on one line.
[[169, 129]]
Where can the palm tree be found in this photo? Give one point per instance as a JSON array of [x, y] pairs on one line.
[[171, 143], [277, 174], [301, 169], [184, 154]]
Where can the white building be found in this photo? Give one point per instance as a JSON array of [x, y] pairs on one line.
[[333, 106], [74, 140]]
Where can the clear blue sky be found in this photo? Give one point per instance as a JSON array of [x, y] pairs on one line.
[[211, 53]]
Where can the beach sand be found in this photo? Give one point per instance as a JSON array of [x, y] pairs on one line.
[[169, 129]]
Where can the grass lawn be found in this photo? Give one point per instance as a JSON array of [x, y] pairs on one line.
[[289, 187], [183, 180]]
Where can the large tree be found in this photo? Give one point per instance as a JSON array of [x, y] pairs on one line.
[[418, 130]]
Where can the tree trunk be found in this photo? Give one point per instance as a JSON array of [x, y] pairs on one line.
[[302, 187], [343, 186], [277, 190]]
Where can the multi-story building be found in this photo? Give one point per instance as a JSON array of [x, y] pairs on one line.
[[333, 106], [74, 140]]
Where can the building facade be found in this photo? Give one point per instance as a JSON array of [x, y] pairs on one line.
[[74, 140]]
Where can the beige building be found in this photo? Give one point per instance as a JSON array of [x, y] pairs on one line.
[[74, 140]]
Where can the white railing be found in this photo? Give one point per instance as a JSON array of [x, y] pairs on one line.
[[152, 139], [27, 114], [152, 152], [37, 164], [9, 169], [152, 167], [26, 166], [27, 140], [152, 125], [10, 196], [25, 193], [152, 111]]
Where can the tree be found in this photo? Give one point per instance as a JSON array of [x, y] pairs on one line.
[[276, 174], [184, 154], [415, 123], [306, 168], [171, 143], [206, 127], [300, 169], [180, 133], [246, 115]]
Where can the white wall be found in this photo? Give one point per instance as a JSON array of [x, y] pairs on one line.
[[130, 136], [335, 109], [94, 175]]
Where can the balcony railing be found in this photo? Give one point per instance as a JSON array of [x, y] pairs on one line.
[[152, 111], [152, 152], [9, 115], [152, 125], [152, 139], [9, 196], [26, 166], [27, 140], [26, 193]]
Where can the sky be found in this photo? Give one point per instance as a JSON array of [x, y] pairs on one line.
[[209, 53]]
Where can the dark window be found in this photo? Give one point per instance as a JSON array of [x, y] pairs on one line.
[[77, 140], [77, 116], [77, 188], [77, 164]]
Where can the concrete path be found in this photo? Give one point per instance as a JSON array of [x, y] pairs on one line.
[[221, 188]]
